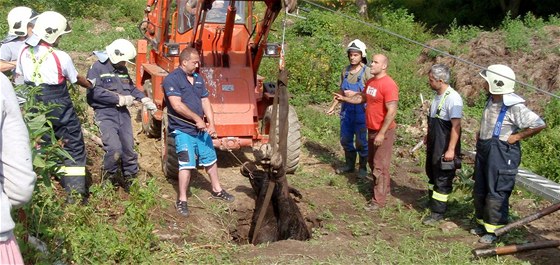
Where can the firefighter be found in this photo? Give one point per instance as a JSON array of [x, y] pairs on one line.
[[41, 64], [443, 141], [505, 122], [20, 24], [353, 131], [113, 92]]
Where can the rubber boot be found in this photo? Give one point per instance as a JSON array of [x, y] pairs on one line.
[[110, 178], [350, 164], [128, 180], [362, 172], [75, 189]]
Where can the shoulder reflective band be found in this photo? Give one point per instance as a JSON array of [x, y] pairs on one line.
[[440, 196], [498, 127], [440, 105], [479, 221]]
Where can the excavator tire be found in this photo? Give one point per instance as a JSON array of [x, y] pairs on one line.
[[150, 126], [294, 137], [169, 162]]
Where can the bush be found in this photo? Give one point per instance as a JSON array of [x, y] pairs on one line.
[[540, 153]]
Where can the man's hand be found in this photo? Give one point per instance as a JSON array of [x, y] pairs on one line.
[[514, 138], [449, 155], [338, 97], [149, 104], [331, 110], [211, 130], [200, 125], [125, 101], [379, 138]]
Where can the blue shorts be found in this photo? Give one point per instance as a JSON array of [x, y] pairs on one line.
[[191, 149]]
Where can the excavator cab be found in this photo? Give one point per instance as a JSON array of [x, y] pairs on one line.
[[231, 40]]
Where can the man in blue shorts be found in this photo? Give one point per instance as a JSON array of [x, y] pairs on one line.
[[188, 103]]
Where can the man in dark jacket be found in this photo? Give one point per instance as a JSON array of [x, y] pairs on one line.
[[112, 94]]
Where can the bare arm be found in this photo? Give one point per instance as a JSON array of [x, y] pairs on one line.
[[82, 81], [351, 97], [186, 112], [453, 139], [525, 134], [207, 108], [389, 118], [335, 102], [7, 66]]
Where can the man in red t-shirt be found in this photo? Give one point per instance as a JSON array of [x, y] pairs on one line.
[[381, 95]]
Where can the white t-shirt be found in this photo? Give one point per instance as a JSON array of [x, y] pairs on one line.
[[452, 108], [49, 68], [9, 51]]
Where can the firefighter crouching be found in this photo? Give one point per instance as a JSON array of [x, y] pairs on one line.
[[112, 93], [41, 64]]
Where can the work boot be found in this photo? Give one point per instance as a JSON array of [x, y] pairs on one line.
[[350, 164], [127, 182], [433, 219], [75, 188], [489, 238], [362, 172], [110, 178]]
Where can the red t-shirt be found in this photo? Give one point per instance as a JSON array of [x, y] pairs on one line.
[[378, 92]]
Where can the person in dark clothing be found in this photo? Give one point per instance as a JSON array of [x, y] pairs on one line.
[[443, 141], [505, 122], [113, 92]]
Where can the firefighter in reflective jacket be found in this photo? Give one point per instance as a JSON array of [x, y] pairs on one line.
[[443, 141], [505, 122], [112, 94], [41, 64]]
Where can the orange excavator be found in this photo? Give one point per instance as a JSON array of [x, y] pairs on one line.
[[232, 40]]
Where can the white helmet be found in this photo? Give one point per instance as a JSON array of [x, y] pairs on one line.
[[357, 45], [18, 18], [50, 25], [121, 50], [500, 78]]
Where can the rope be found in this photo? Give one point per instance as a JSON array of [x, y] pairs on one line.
[[429, 47]]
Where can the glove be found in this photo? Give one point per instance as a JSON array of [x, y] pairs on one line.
[[125, 101], [149, 104]]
